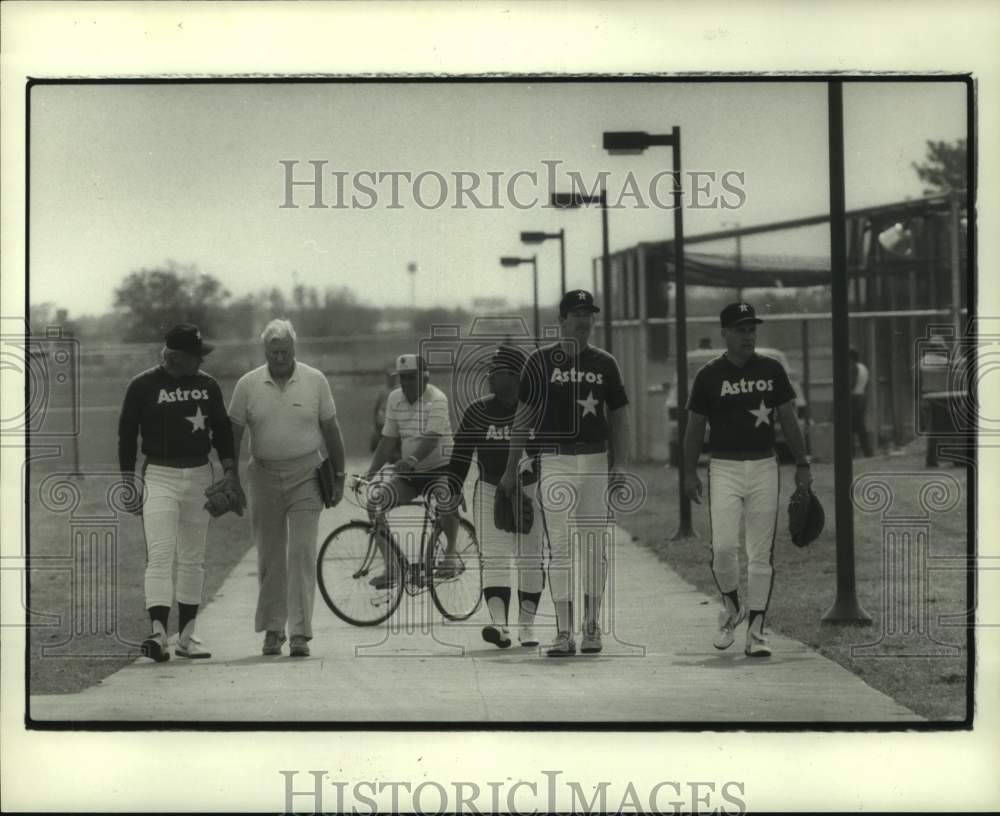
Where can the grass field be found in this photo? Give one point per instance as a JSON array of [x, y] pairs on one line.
[[805, 580], [68, 647]]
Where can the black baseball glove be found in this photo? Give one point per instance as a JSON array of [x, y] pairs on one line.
[[513, 513], [225, 496], [806, 517]]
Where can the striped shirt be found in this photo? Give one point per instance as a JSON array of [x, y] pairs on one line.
[[409, 422]]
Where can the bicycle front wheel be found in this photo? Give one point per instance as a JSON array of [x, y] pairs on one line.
[[359, 584], [457, 585]]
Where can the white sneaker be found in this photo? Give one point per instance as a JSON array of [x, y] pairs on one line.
[[727, 627], [499, 636], [757, 645], [527, 635], [191, 648], [562, 646]]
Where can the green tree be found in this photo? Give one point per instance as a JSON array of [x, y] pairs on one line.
[[944, 167], [153, 300]]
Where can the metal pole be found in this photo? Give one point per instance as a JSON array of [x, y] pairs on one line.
[[534, 277], [805, 382], [955, 262], [684, 529], [739, 266], [846, 608], [562, 262], [606, 271]]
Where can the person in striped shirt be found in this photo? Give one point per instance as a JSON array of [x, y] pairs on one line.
[[416, 418]]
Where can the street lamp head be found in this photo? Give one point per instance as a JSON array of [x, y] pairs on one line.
[[507, 260], [625, 142], [571, 201], [633, 142], [533, 237]]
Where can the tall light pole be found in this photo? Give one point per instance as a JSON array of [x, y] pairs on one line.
[[632, 143], [846, 607], [574, 200], [510, 261], [540, 237], [739, 256]]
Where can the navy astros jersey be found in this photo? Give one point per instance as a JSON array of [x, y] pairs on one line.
[[485, 431], [571, 397], [178, 418], [739, 402]]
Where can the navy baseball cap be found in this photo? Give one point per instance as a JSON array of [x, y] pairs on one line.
[[736, 313], [187, 337], [576, 299]]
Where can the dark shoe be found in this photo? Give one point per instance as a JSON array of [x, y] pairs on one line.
[[299, 647], [155, 648], [272, 643], [383, 581], [591, 642], [497, 635]]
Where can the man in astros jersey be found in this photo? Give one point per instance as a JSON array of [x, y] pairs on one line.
[[739, 395], [572, 396]]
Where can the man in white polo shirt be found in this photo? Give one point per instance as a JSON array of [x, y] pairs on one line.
[[290, 412], [416, 418]]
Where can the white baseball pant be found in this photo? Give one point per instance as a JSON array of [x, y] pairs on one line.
[[507, 553], [176, 525], [573, 493], [746, 490]]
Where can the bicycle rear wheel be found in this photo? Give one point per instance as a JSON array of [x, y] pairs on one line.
[[348, 561], [456, 594]]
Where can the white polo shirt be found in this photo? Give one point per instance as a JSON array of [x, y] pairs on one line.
[[410, 421], [283, 422]]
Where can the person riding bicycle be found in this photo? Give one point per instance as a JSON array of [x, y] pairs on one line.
[[485, 431], [416, 418]]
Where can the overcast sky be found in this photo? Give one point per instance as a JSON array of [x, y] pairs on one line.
[[126, 176]]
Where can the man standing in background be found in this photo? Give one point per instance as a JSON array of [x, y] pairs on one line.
[[289, 410], [859, 402]]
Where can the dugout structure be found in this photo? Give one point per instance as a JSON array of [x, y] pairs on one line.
[[908, 280]]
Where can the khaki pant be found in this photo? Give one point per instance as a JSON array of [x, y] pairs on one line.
[[285, 504]]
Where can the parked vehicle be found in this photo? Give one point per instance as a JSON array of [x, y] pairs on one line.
[[698, 358]]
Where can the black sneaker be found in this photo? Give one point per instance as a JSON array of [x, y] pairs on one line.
[[155, 647]]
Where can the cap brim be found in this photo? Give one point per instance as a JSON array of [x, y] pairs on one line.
[[207, 348], [744, 320], [591, 309]]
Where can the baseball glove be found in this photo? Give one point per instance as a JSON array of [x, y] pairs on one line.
[[225, 496], [513, 513], [805, 517]]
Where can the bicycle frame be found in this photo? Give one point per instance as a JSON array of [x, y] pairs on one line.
[[413, 579]]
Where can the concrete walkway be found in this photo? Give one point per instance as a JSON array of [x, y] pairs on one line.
[[658, 665]]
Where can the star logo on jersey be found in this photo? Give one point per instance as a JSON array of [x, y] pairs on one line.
[[763, 414], [589, 405], [197, 421]]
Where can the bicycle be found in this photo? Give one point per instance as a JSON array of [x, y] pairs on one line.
[[348, 560]]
